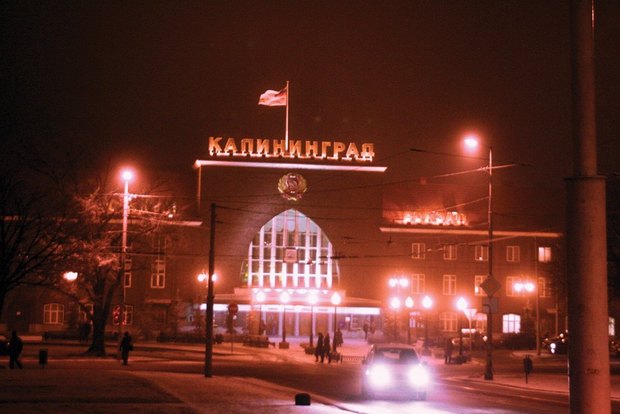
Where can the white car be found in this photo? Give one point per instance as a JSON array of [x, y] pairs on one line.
[[394, 370]]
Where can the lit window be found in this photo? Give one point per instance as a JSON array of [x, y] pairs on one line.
[[447, 321], [313, 265], [418, 250], [478, 279], [449, 252], [544, 254], [417, 283], [511, 323], [53, 313], [449, 284], [513, 253], [611, 331], [128, 313], [481, 253]]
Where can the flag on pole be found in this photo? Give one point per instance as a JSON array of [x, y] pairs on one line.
[[274, 98]]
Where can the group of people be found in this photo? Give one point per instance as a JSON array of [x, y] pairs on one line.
[[324, 348]]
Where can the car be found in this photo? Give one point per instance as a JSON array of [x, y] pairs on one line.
[[396, 370], [558, 345]]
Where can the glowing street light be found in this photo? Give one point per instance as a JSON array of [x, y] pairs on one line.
[[312, 300], [409, 306], [260, 298], [336, 299], [461, 304], [284, 298], [127, 175], [531, 287], [70, 276], [427, 303]]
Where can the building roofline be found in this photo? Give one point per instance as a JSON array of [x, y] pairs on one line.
[[469, 232], [287, 165]]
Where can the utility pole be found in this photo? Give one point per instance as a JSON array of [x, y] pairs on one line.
[[588, 353], [210, 299]]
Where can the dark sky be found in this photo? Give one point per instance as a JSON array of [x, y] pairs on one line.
[[151, 81]]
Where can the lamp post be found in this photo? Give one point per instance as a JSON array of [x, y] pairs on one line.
[[530, 287], [395, 305], [335, 301], [284, 298], [461, 304], [260, 298], [490, 285], [397, 283], [126, 175], [427, 303], [312, 300], [409, 306]]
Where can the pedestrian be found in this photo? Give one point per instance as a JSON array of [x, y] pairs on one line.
[[318, 351], [338, 339], [125, 347], [365, 330], [15, 350], [447, 352], [327, 349]]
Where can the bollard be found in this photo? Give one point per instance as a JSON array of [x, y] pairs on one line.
[[528, 366], [302, 399], [42, 357]]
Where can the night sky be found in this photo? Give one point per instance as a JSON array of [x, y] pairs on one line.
[[149, 82]]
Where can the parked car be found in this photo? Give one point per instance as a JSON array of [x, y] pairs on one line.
[[394, 370], [4, 345]]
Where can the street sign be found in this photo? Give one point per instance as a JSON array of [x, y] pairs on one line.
[[490, 285], [233, 308]]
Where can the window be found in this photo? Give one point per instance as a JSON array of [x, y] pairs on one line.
[[158, 273], [447, 321], [611, 330], [513, 253], [449, 252], [544, 254], [544, 287], [511, 323], [418, 250], [510, 285], [449, 284], [128, 315], [128, 264], [53, 313], [478, 279], [481, 253], [417, 283], [314, 266]]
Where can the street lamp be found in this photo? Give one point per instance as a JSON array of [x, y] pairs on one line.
[[427, 303], [284, 298], [335, 301], [397, 283], [70, 276], [260, 298], [312, 300], [490, 285], [461, 304], [409, 306], [127, 175], [531, 287]]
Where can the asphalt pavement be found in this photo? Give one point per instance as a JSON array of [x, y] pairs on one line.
[[69, 388]]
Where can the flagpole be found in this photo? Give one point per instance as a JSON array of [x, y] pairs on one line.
[[288, 94]]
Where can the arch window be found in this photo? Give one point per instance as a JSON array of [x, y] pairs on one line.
[[291, 250]]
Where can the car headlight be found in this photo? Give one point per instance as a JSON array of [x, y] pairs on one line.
[[379, 376], [419, 376]]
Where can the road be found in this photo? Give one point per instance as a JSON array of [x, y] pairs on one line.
[[338, 384]]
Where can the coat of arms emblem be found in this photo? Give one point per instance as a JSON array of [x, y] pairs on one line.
[[292, 186]]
